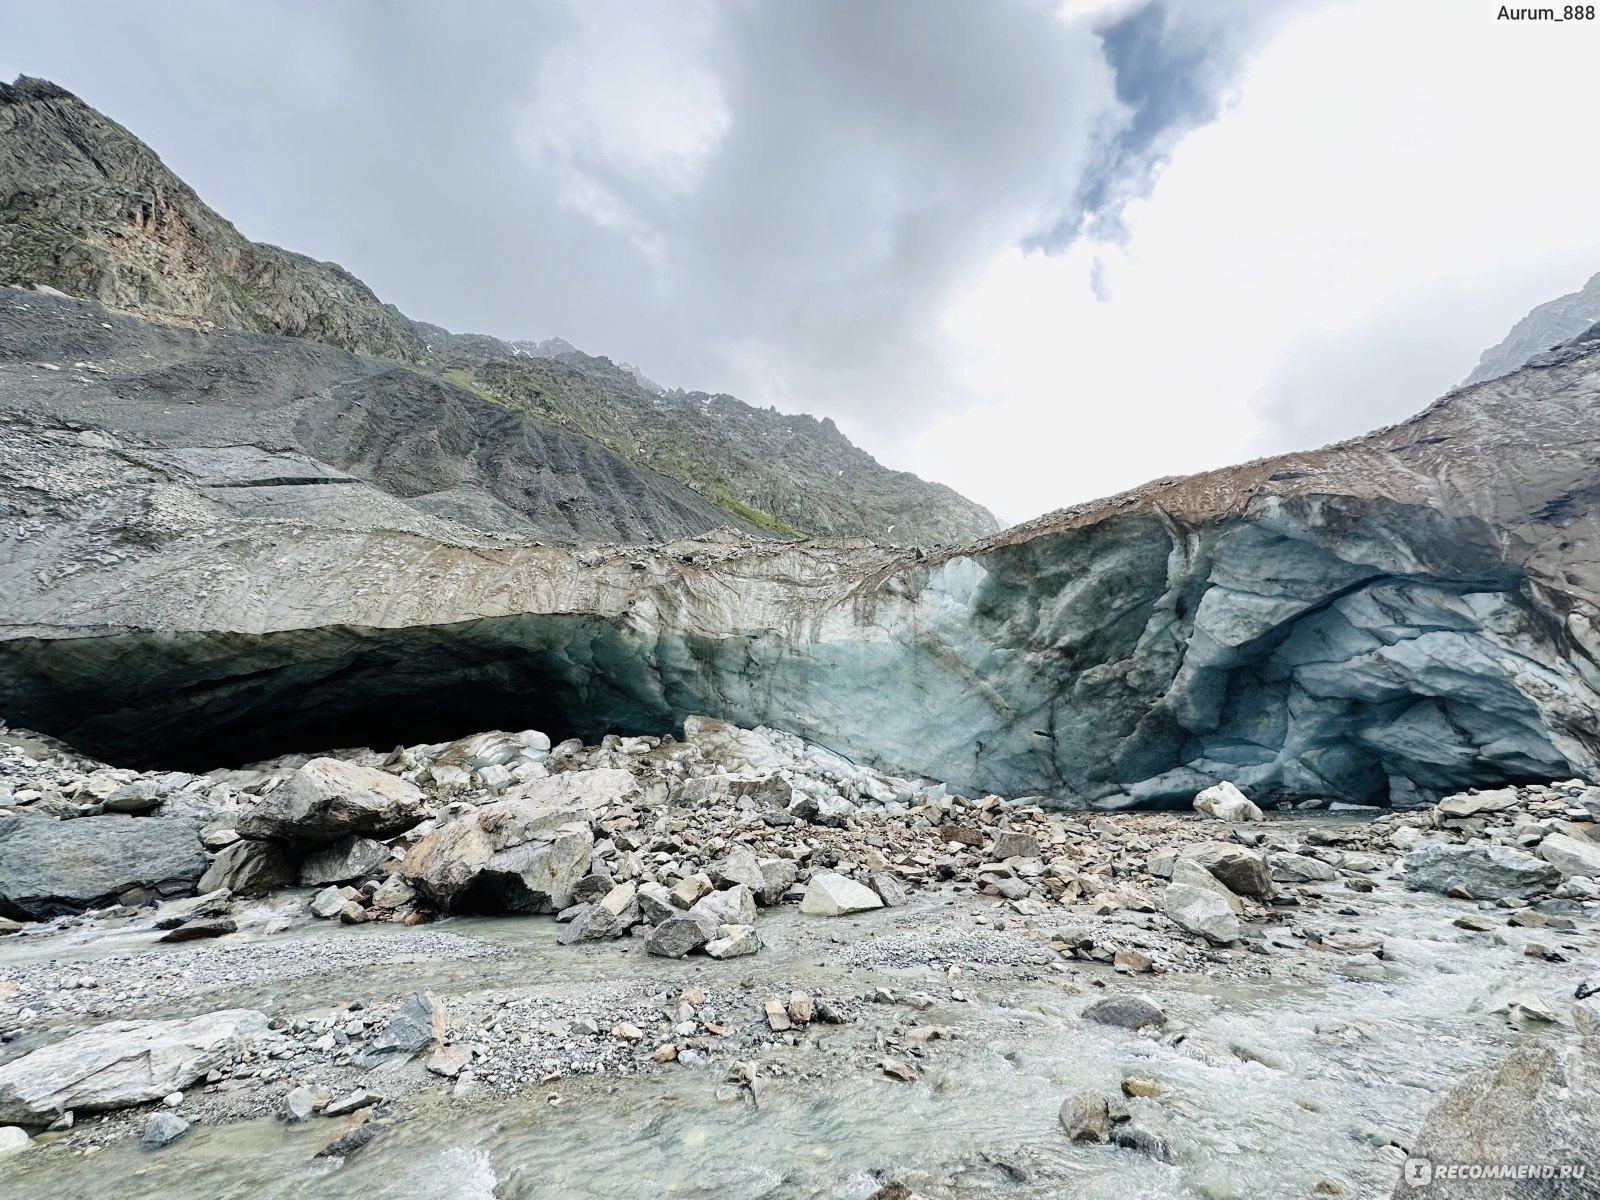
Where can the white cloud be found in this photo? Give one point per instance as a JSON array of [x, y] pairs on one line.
[[1384, 164]]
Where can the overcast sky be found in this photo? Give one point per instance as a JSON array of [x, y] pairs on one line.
[[1038, 252]]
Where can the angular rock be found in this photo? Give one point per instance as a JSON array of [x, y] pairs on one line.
[[507, 856], [343, 861], [206, 927], [393, 892], [328, 903], [735, 942], [48, 867], [1461, 806], [655, 903], [1126, 1010], [248, 868], [1571, 856], [449, 1061], [738, 867], [778, 876], [1010, 844], [1226, 803], [675, 937], [300, 1104], [1200, 911], [596, 788], [420, 1021], [731, 906], [1242, 871], [1299, 868], [1192, 874], [122, 1063], [1488, 872], [888, 888], [328, 799], [162, 1129], [1540, 1104], [832, 895]]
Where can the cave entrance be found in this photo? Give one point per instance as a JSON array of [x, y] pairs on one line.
[[198, 701]]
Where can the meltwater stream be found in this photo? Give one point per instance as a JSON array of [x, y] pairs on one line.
[[1305, 1082]]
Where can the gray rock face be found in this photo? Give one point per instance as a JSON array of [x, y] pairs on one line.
[[52, 867], [1392, 619], [1540, 1105], [162, 1129], [1244, 872], [1200, 911], [122, 1063], [329, 799], [89, 209], [248, 868], [1571, 856], [347, 859], [1488, 872], [1128, 1011], [1547, 326], [675, 937], [419, 1022], [832, 895], [509, 856]]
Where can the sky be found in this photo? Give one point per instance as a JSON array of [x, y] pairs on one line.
[[1041, 252]]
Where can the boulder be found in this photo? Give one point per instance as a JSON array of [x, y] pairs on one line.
[[675, 937], [1086, 1116], [204, 927], [248, 868], [328, 799], [832, 895], [1299, 868], [778, 876], [1487, 872], [1200, 911], [890, 890], [596, 788], [419, 1022], [122, 1063], [1539, 1105], [1192, 874], [1226, 803], [738, 867], [1571, 856], [1126, 1010], [328, 903], [1242, 871], [735, 942], [49, 867], [1461, 806], [162, 1129], [655, 903], [348, 859], [506, 856], [1009, 844], [13, 1139], [731, 906]]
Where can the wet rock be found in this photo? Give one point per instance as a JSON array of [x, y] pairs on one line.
[[1200, 911], [49, 867], [676, 937], [8, 926], [1521, 1005], [1540, 1104], [1085, 1116], [347, 859], [736, 941], [1488, 872], [328, 798], [832, 895], [1571, 856], [162, 1129], [122, 1063], [1141, 1086], [300, 1104], [248, 868], [1130, 1135], [208, 927], [1133, 962], [1586, 1017], [13, 1139], [418, 1023], [1226, 803], [1127, 1010], [506, 856], [1473, 922], [347, 1144], [350, 1102], [894, 1068], [328, 903]]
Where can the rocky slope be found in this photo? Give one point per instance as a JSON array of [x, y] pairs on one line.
[[1544, 328], [792, 474], [89, 209], [1400, 616]]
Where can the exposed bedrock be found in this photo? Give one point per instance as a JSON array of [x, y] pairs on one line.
[[1391, 619]]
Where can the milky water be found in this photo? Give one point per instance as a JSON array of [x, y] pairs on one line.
[[1279, 1085]]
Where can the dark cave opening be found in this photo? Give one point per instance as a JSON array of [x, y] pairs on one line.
[[195, 702]]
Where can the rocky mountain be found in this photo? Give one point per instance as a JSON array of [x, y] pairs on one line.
[[89, 210], [1544, 328], [1406, 614]]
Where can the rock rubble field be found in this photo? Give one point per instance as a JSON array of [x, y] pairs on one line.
[[334, 942]]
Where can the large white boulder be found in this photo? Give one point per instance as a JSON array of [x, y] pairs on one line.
[[122, 1063], [832, 895], [1226, 803], [508, 856], [1202, 911], [1571, 856]]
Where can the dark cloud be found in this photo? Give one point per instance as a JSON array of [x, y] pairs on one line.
[[774, 199]]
